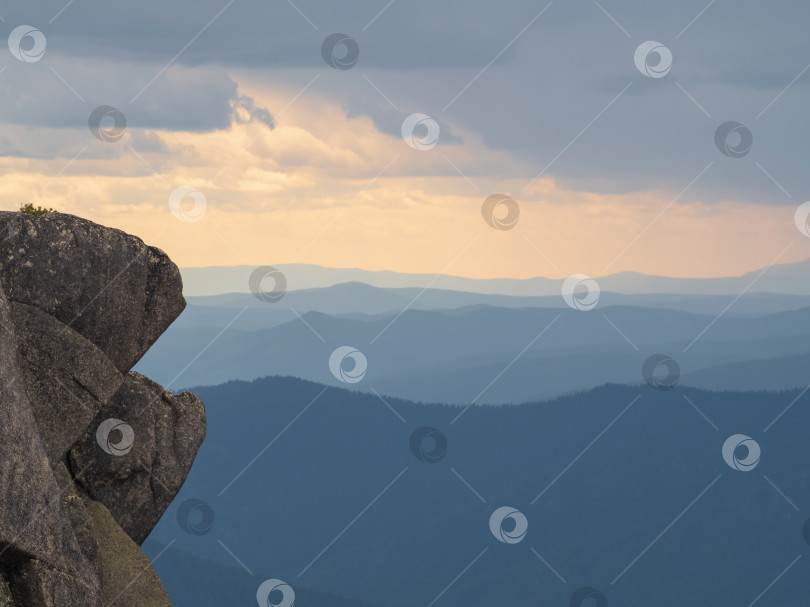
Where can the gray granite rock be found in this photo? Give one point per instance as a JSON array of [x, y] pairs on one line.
[[79, 305], [37, 541], [138, 486], [106, 284], [5, 593], [67, 378]]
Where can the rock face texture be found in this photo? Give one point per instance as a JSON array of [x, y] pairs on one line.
[[91, 454]]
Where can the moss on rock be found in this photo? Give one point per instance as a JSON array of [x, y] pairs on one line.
[[127, 577]]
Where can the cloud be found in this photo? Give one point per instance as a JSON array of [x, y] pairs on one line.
[[60, 92], [325, 187], [549, 89], [300, 161], [245, 111], [406, 35], [418, 34]]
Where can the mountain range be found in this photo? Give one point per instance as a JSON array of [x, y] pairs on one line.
[[625, 489], [452, 355], [376, 485], [788, 278]]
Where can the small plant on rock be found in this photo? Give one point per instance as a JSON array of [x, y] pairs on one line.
[[30, 209]]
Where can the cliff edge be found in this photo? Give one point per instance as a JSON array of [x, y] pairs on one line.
[[91, 454]]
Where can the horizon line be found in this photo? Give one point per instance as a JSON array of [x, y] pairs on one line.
[[493, 278]]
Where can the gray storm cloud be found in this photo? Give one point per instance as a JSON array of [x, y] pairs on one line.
[[555, 84]]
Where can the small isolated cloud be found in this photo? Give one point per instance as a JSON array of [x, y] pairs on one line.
[[246, 111]]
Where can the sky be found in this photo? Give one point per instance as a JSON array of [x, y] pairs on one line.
[[665, 138]]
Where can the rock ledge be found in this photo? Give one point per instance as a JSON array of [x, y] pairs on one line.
[[91, 454]]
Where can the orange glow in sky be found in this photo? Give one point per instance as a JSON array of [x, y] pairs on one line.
[[328, 189]]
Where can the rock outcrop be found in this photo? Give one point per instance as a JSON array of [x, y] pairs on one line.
[[91, 454]]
